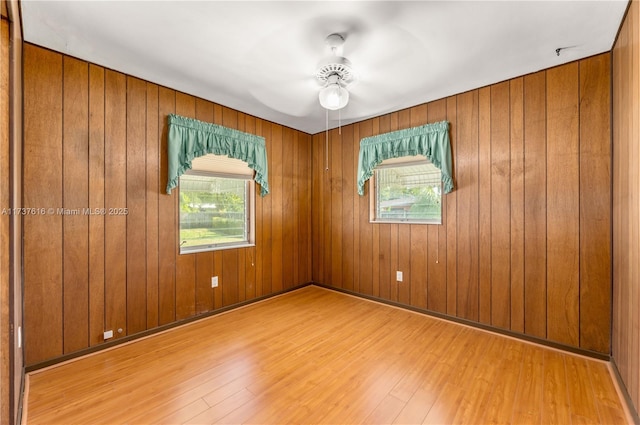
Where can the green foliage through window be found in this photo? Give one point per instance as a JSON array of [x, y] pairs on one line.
[[408, 193], [213, 212]]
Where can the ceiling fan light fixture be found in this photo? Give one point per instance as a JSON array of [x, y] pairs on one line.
[[334, 73], [333, 97]]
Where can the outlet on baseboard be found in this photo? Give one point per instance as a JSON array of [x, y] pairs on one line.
[[108, 334], [214, 282]]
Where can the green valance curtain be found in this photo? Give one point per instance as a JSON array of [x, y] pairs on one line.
[[429, 140], [189, 139]]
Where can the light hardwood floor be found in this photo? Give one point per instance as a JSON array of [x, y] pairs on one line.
[[318, 356]]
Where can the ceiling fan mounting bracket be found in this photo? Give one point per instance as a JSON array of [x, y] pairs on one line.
[[335, 66], [334, 41]]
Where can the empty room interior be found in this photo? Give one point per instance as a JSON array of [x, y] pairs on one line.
[[324, 212]]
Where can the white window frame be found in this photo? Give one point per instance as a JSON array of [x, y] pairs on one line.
[[250, 211], [373, 196]]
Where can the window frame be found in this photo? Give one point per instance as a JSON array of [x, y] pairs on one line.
[[373, 195], [250, 213]]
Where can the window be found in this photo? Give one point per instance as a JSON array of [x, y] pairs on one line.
[[407, 190], [216, 205]]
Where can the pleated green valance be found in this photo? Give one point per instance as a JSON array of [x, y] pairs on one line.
[[189, 139], [429, 140]]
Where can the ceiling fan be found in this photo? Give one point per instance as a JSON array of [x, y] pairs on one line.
[[334, 73], [355, 73]]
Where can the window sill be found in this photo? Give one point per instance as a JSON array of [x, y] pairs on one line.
[[207, 248], [404, 222]]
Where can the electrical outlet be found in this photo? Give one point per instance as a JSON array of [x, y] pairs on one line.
[[108, 334], [399, 276], [214, 282]]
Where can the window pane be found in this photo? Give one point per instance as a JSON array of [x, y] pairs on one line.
[[408, 193], [213, 211]]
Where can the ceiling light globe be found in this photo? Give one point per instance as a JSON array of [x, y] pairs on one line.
[[333, 97]]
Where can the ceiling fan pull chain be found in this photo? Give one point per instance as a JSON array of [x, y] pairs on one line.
[[339, 122]]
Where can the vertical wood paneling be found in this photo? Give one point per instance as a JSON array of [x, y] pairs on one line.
[[6, 383], [152, 176], [136, 204], [484, 207], [42, 169], [258, 231], [218, 271], [452, 211], [418, 266], [357, 201], [204, 273], [384, 258], [230, 282], [75, 197], [295, 175], [316, 213], [403, 243], [267, 222], [500, 206], [626, 201], [96, 203], [241, 267], [563, 209], [325, 143], [277, 220], [289, 223], [348, 183], [621, 114], [634, 298], [168, 235], [107, 149], [517, 204], [335, 166], [115, 199], [595, 202], [535, 205], [467, 202], [634, 159]]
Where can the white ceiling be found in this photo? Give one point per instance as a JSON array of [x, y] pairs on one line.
[[260, 57]]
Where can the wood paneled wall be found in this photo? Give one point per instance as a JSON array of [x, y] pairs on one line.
[[12, 373], [626, 203], [5, 244], [525, 238], [95, 138]]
